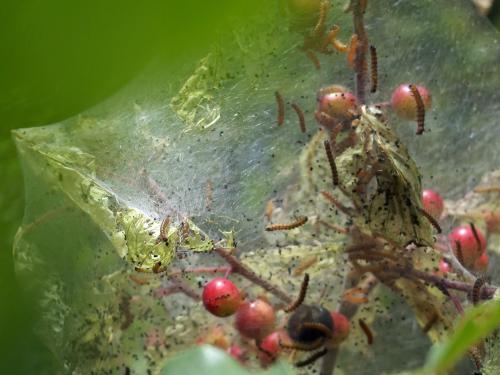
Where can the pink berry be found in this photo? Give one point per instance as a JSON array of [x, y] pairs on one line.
[[433, 203], [255, 320], [221, 297], [471, 249], [403, 102], [341, 326], [481, 264], [444, 266], [338, 105]]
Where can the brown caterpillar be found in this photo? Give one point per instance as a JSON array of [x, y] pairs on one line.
[[274, 227], [367, 331], [269, 209], [431, 219], [312, 56], [209, 195], [124, 307], [374, 68], [303, 347], [164, 228], [460, 255], [476, 236], [305, 264], [313, 358], [281, 108], [476, 358], [331, 161], [302, 294], [300, 115], [476, 290], [420, 108], [319, 29], [430, 323]]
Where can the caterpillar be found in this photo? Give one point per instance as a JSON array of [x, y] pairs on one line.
[[374, 68], [305, 264], [430, 323], [420, 108], [302, 294], [274, 227], [281, 108], [476, 290], [312, 56], [300, 115], [313, 358], [164, 228], [432, 220], [331, 161], [476, 236], [367, 331]]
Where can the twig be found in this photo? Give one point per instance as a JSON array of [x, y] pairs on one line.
[[361, 49], [247, 273], [348, 310]]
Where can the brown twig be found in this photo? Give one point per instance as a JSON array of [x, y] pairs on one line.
[[247, 273], [348, 310], [361, 49]]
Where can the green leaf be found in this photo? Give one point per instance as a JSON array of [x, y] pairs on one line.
[[477, 323], [214, 361]]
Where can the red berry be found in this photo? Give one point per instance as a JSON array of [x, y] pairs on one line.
[[221, 297], [444, 266], [255, 320], [433, 203], [269, 348], [237, 353], [471, 249], [341, 327], [403, 102], [338, 105], [481, 264]]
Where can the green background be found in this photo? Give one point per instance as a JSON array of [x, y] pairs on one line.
[[58, 58]]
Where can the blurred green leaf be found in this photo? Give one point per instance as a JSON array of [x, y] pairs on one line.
[[214, 361], [477, 323]]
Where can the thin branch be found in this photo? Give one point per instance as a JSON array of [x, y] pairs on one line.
[[348, 310], [360, 64], [241, 269]]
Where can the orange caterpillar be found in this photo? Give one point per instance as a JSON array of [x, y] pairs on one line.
[[420, 108], [351, 54], [275, 227]]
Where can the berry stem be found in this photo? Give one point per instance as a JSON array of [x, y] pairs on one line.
[[217, 269], [177, 286], [238, 267]]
